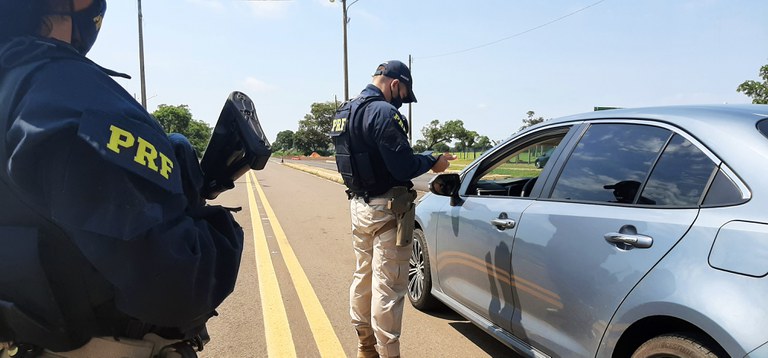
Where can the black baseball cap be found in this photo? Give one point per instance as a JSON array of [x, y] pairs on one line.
[[399, 71]]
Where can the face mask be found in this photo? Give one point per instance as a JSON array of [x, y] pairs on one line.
[[86, 24], [397, 102]]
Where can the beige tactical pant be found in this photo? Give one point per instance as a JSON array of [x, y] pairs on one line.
[[381, 275]]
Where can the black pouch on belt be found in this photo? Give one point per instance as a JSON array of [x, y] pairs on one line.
[[402, 205]]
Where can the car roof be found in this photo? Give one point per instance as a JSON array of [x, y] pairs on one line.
[[682, 115], [696, 119]]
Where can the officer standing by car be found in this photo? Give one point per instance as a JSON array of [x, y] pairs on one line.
[[377, 164], [107, 247]]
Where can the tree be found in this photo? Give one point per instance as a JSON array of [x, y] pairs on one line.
[[531, 120], [441, 147], [419, 146], [283, 141], [454, 129], [434, 133], [756, 90], [173, 119], [467, 140], [483, 142], [198, 133], [312, 135], [178, 119]]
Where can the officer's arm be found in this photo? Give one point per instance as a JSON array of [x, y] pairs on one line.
[[113, 187], [393, 145]]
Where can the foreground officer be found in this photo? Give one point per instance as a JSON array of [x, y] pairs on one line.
[[377, 164], [107, 249]]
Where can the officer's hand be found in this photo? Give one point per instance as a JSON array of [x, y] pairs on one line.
[[442, 162]]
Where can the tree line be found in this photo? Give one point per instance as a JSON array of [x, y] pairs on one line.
[[312, 134]]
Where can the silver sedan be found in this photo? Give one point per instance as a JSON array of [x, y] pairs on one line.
[[644, 235]]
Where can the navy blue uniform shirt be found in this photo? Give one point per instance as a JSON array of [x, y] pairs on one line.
[[386, 129], [85, 155]]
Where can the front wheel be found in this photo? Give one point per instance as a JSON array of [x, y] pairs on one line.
[[676, 345], [419, 274]]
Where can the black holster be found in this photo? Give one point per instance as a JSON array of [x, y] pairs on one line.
[[401, 203]]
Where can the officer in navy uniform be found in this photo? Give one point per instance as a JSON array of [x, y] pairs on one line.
[[377, 164], [107, 247]]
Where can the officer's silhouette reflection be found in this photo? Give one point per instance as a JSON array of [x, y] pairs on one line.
[[625, 192]]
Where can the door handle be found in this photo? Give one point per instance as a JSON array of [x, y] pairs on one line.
[[503, 222], [634, 240]]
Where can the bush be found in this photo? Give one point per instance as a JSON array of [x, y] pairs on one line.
[[287, 153]]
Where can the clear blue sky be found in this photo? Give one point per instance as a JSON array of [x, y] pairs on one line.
[[288, 54]]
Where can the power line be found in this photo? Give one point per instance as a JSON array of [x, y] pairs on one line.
[[514, 35]]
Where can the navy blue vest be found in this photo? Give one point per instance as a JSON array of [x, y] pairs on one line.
[[355, 159]]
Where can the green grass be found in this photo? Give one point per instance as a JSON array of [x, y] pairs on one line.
[[521, 168], [513, 171]]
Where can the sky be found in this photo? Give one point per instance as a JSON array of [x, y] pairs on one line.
[[486, 63]]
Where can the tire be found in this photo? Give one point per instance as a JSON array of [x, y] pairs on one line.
[[420, 275], [676, 345]]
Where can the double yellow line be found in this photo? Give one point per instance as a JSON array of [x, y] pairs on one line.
[[276, 325]]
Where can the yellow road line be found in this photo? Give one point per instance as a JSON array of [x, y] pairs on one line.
[[327, 342], [276, 327]]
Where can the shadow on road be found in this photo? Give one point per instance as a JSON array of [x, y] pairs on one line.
[[477, 336]]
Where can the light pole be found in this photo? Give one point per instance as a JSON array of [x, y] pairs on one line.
[[141, 59], [345, 20], [410, 106]]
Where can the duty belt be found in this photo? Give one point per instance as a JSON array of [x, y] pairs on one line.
[[366, 195]]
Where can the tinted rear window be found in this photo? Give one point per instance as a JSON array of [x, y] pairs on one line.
[[680, 176], [610, 163]]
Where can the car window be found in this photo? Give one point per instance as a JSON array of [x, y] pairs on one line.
[[515, 170], [610, 162], [680, 176]]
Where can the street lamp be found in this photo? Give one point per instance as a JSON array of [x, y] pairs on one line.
[[345, 20]]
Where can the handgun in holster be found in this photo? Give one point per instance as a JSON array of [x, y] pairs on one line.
[[401, 203], [238, 144]]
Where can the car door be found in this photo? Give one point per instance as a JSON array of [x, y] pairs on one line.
[[626, 194], [476, 236]]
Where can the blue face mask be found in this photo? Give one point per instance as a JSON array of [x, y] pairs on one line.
[[86, 24]]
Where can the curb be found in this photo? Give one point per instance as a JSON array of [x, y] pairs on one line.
[[326, 174]]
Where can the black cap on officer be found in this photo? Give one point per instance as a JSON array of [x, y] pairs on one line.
[[399, 71], [28, 17]]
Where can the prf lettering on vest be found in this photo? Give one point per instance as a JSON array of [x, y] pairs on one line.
[[338, 124], [146, 154]]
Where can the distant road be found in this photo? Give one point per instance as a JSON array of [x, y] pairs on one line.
[[420, 183]]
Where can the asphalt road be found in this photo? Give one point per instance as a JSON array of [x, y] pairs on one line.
[[291, 297]]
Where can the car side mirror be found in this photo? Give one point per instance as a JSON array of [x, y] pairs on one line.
[[447, 185]]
